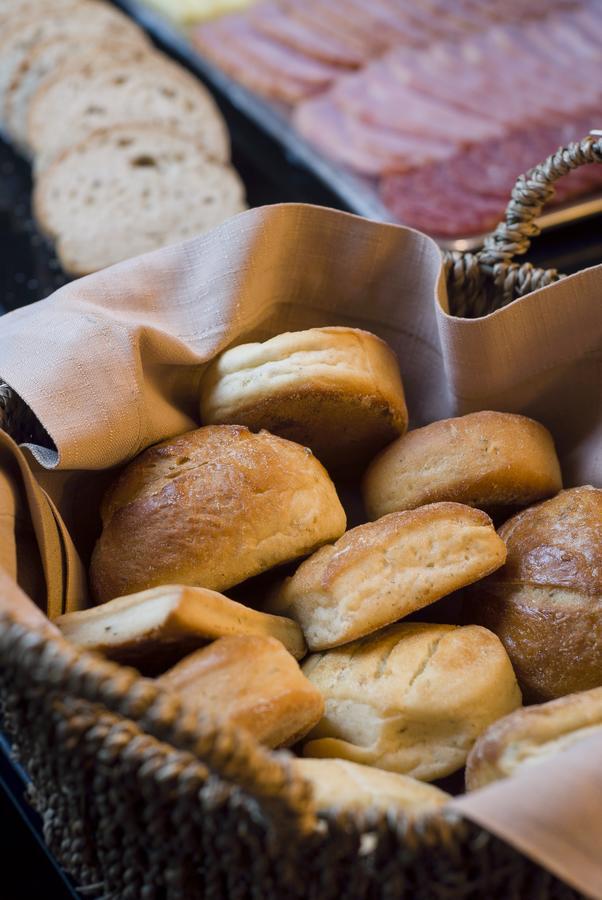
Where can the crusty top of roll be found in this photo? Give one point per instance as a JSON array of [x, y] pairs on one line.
[[384, 570], [411, 698], [557, 543], [337, 390], [533, 734], [212, 508], [485, 459]]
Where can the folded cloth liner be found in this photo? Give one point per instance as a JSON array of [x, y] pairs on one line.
[[112, 363]]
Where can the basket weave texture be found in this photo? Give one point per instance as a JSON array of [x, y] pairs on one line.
[[140, 800]]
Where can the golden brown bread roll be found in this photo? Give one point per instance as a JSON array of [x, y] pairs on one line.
[[533, 734], [340, 784], [380, 572], [254, 683], [151, 625], [212, 508], [336, 390], [484, 459], [411, 699], [546, 602]]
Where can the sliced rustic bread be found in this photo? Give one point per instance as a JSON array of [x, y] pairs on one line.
[[85, 20], [11, 10], [45, 59], [130, 189], [83, 98]]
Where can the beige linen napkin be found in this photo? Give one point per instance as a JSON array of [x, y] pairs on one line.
[[112, 363]]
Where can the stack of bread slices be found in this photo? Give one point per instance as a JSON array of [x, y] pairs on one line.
[[129, 150]]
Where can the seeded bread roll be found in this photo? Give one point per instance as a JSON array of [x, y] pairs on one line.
[[130, 190], [168, 621], [380, 572], [532, 735], [43, 62], [546, 602], [252, 682], [412, 699], [336, 390], [342, 785], [92, 95], [67, 20], [212, 508], [485, 459]]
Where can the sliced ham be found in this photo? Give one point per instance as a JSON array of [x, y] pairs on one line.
[[270, 19], [367, 148]]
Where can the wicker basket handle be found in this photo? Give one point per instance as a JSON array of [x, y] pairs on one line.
[[530, 194]]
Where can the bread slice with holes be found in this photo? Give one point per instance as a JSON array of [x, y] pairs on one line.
[[83, 98], [68, 20], [43, 62], [128, 190]]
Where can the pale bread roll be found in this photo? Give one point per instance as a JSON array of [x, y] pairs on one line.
[[380, 572], [338, 784], [253, 682], [152, 623], [130, 190], [11, 11], [545, 604], [43, 62], [484, 459], [67, 20], [532, 735], [336, 390], [95, 94], [412, 699], [212, 508]]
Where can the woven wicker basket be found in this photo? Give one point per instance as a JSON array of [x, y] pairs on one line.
[[141, 801]]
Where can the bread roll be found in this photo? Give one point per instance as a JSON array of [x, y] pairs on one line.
[[484, 459], [129, 190], [336, 390], [152, 624], [531, 735], [412, 699], [254, 683], [212, 508], [343, 785], [378, 573], [546, 602]]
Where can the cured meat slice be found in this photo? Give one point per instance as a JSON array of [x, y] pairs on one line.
[[238, 48], [323, 16], [254, 75], [270, 19], [368, 149], [370, 95], [426, 200]]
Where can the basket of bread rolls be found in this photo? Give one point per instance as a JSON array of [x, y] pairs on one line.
[[312, 624]]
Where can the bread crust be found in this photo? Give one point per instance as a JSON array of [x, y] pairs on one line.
[[336, 390], [411, 699], [342, 785], [545, 604], [142, 626], [531, 735], [212, 508], [253, 682], [484, 459], [382, 571]]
